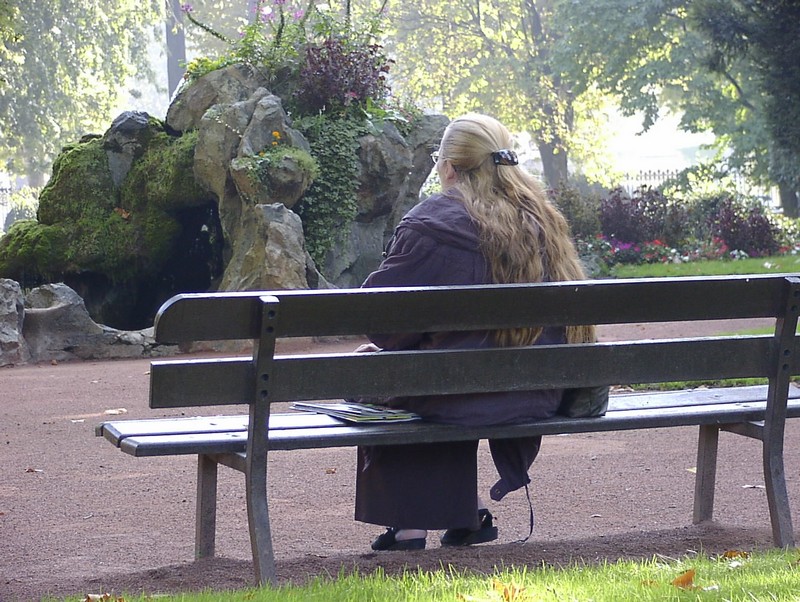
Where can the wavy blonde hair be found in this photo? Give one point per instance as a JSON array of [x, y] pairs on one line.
[[522, 234]]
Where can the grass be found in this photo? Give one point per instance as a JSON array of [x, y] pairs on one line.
[[755, 265], [735, 576]]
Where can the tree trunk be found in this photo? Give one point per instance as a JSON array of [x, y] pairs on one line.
[[176, 46], [788, 200], [554, 164]]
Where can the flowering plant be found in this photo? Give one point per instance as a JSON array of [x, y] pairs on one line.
[[336, 65]]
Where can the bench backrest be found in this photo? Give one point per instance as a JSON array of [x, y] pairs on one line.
[[267, 316]]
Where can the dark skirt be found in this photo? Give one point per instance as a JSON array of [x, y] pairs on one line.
[[421, 486]]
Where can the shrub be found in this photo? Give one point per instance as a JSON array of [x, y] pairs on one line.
[[645, 216], [581, 212], [337, 75], [624, 218], [745, 228]]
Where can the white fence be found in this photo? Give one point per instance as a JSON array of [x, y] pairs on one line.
[[656, 177]]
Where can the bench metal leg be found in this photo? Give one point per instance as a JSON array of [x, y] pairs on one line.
[[260, 533], [206, 516], [777, 494], [705, 479]]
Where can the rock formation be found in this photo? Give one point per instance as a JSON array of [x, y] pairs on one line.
[[51, 323], [207, 200]]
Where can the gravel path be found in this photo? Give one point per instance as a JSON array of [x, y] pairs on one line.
[[78, 516]]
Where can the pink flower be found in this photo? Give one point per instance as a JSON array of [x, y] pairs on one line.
[[187, 8]]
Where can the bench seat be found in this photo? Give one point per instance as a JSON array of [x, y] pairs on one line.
[[228, 434]]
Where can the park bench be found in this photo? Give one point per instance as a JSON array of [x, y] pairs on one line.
[[262, 378]]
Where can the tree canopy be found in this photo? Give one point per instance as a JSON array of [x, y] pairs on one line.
[[766, 35], [719, 63], [496, 56], [64, 68]]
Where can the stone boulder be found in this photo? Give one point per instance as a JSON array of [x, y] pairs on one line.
[[13, 349], [57, 327], [223, 86], [237, 123], [125, 141], [268, 252]]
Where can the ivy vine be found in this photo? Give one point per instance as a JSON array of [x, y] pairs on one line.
[[330, 204]]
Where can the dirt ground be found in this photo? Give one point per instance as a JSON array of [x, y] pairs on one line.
[[77, 516]]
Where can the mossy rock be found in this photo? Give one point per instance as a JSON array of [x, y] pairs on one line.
[[164, 176], [81, 183], [32, 252], [87, 224]]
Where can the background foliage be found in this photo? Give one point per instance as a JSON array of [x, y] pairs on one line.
[[63, 70]]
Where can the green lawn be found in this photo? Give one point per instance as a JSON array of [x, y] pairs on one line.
[[735, 576], [761, 265]]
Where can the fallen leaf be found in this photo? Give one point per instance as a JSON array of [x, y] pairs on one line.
[[685, 580], [34, 470], [509, 592], [736, 554], [330, 471]]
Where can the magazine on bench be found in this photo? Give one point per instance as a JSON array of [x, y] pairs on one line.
[[357, 412]]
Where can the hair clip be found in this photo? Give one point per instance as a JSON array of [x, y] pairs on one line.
[[505, 157]]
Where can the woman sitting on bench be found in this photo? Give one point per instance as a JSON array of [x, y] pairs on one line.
[[492, 223]]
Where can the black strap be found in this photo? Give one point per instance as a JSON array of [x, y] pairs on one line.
[[532, 521]]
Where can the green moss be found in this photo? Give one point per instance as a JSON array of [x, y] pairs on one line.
[[263, 167], [160, 232], [164, 175], [85, 224], [81, 183], [32, 252]]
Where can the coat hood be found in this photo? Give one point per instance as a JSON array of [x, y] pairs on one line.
[[444, 218]]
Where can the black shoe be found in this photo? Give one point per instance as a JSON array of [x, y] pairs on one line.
[[389, 542], [466, 537]]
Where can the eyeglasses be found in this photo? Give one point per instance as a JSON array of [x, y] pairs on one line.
[[435, 156]]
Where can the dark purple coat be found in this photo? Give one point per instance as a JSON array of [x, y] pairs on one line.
[[437, 243]]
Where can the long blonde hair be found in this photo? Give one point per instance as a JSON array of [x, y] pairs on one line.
[[523, 235]]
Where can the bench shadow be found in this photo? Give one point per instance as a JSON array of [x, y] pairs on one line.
[[225, 573]]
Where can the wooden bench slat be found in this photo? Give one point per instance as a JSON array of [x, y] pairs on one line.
[[116, 431], [192, 317], [307, 433], [342, 376]]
